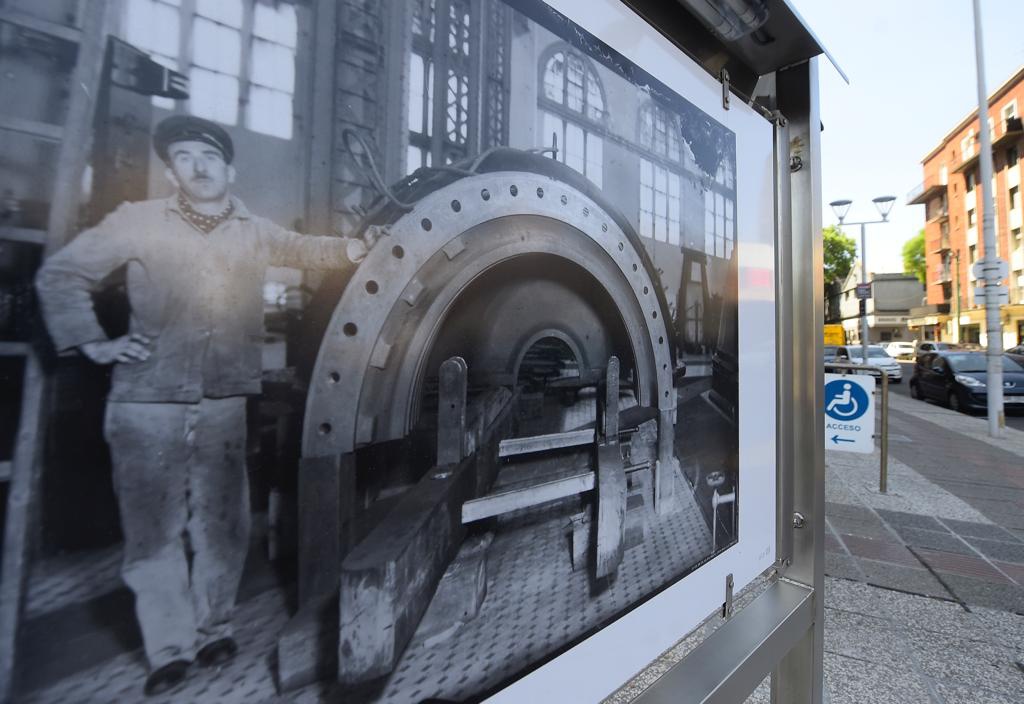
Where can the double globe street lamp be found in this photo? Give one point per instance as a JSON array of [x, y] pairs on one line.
[[841, 208]]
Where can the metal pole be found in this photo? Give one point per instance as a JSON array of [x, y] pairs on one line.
[[993, 326], [956, 313], [863, 301], [883, 470]]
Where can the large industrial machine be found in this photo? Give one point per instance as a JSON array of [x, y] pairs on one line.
[[505, 347]]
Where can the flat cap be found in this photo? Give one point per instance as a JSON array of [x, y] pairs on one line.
[[186, 128]]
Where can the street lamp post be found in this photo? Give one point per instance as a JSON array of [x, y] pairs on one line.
[[841, 208]]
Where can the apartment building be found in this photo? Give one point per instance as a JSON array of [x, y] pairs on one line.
[[954, 241]]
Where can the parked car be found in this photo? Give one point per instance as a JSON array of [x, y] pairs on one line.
[[1016, 354], [958, 379], [877, 357], [934, 346], [899, 350]]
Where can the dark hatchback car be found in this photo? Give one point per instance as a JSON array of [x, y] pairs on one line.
[[958, 378]]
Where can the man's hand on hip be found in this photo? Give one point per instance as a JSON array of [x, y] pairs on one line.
[[127, 349]]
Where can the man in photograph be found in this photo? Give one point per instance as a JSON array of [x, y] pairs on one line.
[[175, 419]]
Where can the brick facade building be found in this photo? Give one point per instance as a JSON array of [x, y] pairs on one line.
[[953, 216]]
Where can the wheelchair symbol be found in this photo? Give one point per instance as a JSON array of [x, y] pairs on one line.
[[843, 399], [846, 400]]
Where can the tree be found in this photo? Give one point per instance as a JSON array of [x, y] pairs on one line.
[[840, 252], [913, 256]]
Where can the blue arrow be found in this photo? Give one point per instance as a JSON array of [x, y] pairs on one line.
[[836, 439]]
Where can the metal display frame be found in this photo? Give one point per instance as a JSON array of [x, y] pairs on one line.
[[781, 631]]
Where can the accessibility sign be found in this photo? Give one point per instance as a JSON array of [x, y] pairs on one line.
[[849, 413]]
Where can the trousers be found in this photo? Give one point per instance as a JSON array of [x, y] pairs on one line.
[[183, 492]]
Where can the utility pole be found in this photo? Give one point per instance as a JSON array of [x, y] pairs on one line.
[[993, 325], [956, 309]]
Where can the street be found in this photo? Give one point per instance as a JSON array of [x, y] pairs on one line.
[[1014, 419]]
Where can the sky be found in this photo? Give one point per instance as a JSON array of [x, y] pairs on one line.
[[912, 79]]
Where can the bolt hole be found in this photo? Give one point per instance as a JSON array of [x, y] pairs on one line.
[[654, 314], [664, 367], [661, 340], [334, 377], [540, 192], [646, 290], [350, 329], [372, 287], [604, 227], [621, 246], [397, 252], [456, 206], [634, 267], [666, 394], [485, 194], [426, 224], [324, 428], [564, 200], [513, 190]]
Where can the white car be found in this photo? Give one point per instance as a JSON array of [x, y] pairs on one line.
[[899, 350], [877, 357]]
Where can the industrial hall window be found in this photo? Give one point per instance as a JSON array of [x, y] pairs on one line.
[[444, 62], [659, 134], [239, 56], [720, 213], [572, 108]]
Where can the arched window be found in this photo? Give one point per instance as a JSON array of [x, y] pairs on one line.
[[659, 134], [572, 109]]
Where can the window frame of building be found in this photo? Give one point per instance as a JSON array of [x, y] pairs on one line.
[[967, 146], [1008, 112], [587, 126], [246, 74], [446, 41], [662, 153]]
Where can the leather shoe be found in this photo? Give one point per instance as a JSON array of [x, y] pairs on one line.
[[217, 653], [165, 677]]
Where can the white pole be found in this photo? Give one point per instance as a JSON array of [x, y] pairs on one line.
[[862, 302], [993, 326]]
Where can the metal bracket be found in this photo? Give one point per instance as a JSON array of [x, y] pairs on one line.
[[798, 520], [727, 605], [723, 76], [777, 118]]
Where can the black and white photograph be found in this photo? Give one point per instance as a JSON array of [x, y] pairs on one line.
[[357, 351]]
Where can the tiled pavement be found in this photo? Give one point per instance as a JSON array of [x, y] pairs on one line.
[[924, 593]]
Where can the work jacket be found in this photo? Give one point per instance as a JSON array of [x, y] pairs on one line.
[[198, 297]]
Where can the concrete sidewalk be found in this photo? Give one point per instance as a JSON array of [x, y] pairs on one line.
[[924, 587]]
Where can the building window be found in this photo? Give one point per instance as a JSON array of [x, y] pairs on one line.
[[972, 219], [659, 134], [444, 56], [239, 56], [1008, 112], [572, 108], [1014, 198], [967, 146], [719, 224], [659, 202], [1012, 157], [972, 181]]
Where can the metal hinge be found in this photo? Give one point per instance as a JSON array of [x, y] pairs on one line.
[[727, 605], [723, 76], [777, 118]]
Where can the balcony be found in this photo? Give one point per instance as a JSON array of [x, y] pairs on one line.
[[1013, 129], [940, 215], [938, 245], [925, 191]]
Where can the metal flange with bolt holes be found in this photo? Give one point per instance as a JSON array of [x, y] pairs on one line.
[[483, 267]]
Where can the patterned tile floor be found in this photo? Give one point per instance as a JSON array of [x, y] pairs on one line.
[[535, 601]]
